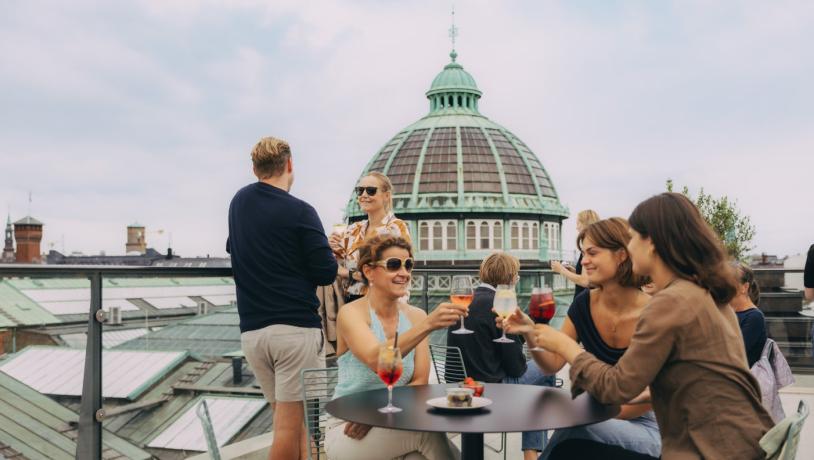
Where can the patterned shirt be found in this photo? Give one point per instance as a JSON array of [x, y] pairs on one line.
[[354, 238]]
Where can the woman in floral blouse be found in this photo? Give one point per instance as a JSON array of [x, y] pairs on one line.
[[374, 194]]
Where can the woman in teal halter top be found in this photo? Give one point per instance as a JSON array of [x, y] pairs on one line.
[[362, 327]]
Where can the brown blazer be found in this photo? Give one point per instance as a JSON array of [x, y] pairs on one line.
[[690, 352]]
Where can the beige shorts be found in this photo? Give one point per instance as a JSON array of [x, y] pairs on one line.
[[278, 353]]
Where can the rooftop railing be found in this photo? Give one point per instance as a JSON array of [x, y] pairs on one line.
[[786, 321], [91, 414]]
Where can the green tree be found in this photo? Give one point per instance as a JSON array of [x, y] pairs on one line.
[[735, 229]]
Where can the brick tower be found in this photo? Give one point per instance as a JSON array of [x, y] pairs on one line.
[[28, 234]]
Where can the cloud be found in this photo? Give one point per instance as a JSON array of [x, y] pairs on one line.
[[147, 110]]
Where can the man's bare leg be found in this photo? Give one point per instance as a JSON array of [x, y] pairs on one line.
[[289, 432]]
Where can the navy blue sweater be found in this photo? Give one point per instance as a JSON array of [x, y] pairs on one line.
[[279, 256]]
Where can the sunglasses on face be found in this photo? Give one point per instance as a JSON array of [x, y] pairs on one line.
[[394, 264], [371, 191]]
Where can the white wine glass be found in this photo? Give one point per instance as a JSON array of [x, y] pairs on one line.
[[505, 304]]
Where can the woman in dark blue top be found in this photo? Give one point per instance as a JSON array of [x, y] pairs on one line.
[[750, 318], [603, 320]]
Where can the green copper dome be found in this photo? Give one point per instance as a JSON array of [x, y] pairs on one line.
[[455, 159], [456, 165]]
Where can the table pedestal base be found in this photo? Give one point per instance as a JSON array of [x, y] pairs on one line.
[[471, 446]]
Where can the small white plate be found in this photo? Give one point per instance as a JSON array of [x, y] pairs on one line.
[[441, 403]]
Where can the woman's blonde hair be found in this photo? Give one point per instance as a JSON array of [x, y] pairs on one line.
[[587, 217], [499, 268], [386, 186]]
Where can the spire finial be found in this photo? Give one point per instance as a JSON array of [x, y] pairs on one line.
[[453, 33]]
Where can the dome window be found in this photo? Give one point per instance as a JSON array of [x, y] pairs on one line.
[[497, 235], [484, 234], [437, 235], [525, 235], [424, 236], [552, 233], [471, 235]]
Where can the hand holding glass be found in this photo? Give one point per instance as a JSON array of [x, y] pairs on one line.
[[542, 307], [461, 294], [505, 304], [389, 369]]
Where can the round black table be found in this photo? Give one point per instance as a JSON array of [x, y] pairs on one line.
[[514, 408]]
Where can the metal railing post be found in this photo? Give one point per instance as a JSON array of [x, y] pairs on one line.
[[425, 294], [89, 444]]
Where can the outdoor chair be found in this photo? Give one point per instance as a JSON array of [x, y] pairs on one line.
[[317, 390], [209, 432], [780, 443], [448, 363]]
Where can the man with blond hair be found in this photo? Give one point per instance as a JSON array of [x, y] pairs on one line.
[[492, 362], [280, 254]]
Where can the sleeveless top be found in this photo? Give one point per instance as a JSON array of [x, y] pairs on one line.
[[354, 376], [588, 334]]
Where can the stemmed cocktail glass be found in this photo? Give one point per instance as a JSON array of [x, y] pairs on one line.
[[461, 294], [389, 369], [505, 304]]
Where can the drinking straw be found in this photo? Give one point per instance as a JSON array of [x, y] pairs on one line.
[[396, 340]]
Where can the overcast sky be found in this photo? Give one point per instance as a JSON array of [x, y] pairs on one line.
[[115, 112]]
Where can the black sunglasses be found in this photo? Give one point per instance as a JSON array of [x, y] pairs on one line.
[[371, 191], [394, 264]]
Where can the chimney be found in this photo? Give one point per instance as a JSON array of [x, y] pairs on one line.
[[237, 370]]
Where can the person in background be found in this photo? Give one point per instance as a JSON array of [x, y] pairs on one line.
[[362, 327], [687, 346], [808, 285], [750, 318], [279, 256], [374, 194], [765, 360], [584, 219], [492, 362], [603, 320], [808, 276]]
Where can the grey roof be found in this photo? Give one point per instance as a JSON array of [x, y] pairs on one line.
[[228, 415], [41, 301], [59, 370], [35, 426], [144, 425], [212, 335], [28, 220]]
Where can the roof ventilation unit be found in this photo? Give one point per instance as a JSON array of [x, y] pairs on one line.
[[203, 308]]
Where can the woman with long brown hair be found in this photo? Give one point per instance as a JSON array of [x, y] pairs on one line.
[[687, 345], [602, 319]]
